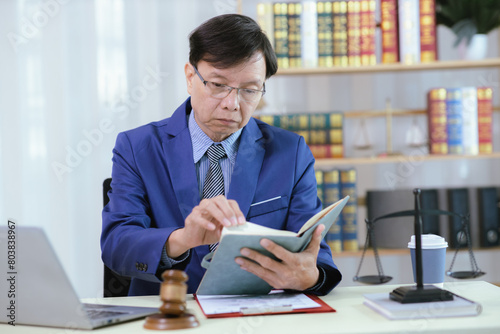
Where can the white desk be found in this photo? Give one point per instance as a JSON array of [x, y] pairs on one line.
[[351, 316]]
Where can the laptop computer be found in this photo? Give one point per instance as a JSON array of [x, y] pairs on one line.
[[39, 292]]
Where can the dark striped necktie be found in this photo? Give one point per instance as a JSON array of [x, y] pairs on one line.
[[214, 181]]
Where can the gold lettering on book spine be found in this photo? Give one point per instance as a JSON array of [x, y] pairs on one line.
[[281, 34], [325, 34]]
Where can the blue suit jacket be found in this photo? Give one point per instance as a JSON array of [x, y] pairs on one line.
[[154, 188]]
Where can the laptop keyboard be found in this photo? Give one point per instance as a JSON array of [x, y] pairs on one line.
[[96, 311]]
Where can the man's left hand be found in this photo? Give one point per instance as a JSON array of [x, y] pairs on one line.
[[295, 271]]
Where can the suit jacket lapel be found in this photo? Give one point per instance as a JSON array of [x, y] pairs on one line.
[[178, 152], [247, 167]]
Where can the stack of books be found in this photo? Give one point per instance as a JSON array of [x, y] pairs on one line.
[[460, 120], [343, 33]]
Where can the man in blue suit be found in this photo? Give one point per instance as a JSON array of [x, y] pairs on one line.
[[156, 218]]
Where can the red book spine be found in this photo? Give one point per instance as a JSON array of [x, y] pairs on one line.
[[428, 46], [354, 32], [484, 119], [327, 151], [389, 27], [436, 115], [367, 25]]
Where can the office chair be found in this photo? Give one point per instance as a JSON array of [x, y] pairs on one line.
[[115, 285]]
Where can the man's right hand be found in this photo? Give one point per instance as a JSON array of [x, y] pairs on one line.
[[204, 224]]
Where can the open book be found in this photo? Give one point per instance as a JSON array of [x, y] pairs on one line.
[[225, 277]]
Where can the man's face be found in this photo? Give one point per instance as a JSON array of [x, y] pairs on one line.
[[221, 117]]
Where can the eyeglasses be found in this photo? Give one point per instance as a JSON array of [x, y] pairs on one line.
[[221, 91]]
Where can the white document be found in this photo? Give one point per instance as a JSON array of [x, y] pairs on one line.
[[249, 304]]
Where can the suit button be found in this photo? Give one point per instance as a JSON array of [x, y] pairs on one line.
[[137, 266], [145, 267]]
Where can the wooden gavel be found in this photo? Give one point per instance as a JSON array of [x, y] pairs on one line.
[[173, 310]]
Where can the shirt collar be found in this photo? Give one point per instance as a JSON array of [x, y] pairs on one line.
[[201, 142]]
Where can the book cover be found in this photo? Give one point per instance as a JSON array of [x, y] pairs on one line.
[[489, 218], [273, 120], [454, 120], [391, 233], [325, 33], [436, 116], [328, 120], [304, 133], [470, 127], [225, 277], [390, 31], [294, 34], [395, 233], [458, 202], [409, 31], [309, 34], [458, 307], [286, 121], [485, 121], [348, 179], [354, 32], [305, 121], [367, 26], [265, 19], [276, 302], [429, 200], [320, 186], [340, 57], [280, 11], [428, 44], [327, 151], [331, 188], [325, 136]]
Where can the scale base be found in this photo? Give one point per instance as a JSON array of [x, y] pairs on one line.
[[424, 294]]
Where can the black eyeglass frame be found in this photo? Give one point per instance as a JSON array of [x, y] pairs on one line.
[[263, 91]]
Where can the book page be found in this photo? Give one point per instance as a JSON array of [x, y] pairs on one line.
[[317, 217], [254, 229]]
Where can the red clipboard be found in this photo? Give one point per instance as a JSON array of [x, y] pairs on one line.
[[323, 308]]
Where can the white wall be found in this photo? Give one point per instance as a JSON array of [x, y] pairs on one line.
[[72, 75]]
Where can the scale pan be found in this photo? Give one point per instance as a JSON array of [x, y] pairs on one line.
[[465, 274], [372, 279]]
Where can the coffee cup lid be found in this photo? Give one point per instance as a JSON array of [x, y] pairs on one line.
[[429, 241]]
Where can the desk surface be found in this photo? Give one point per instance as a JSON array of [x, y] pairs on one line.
[[351, 316]]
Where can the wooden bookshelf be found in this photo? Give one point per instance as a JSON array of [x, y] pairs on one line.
[[437, 66], [327, 163]]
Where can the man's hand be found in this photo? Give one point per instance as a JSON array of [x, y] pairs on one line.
[[204, 224], [296, 271]]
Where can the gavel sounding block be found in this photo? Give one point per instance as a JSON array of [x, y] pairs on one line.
[[173, 310]]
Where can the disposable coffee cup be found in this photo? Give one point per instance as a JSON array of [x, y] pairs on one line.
[[433, 258]]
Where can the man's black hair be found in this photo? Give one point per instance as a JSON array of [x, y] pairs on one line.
[[229, 40]]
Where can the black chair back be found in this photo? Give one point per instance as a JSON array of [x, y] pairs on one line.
[[115, 285]]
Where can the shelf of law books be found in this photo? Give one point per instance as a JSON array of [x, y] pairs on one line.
[[356, 36], [375, 36], [333, 185], [460, 120], [459, 125]]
